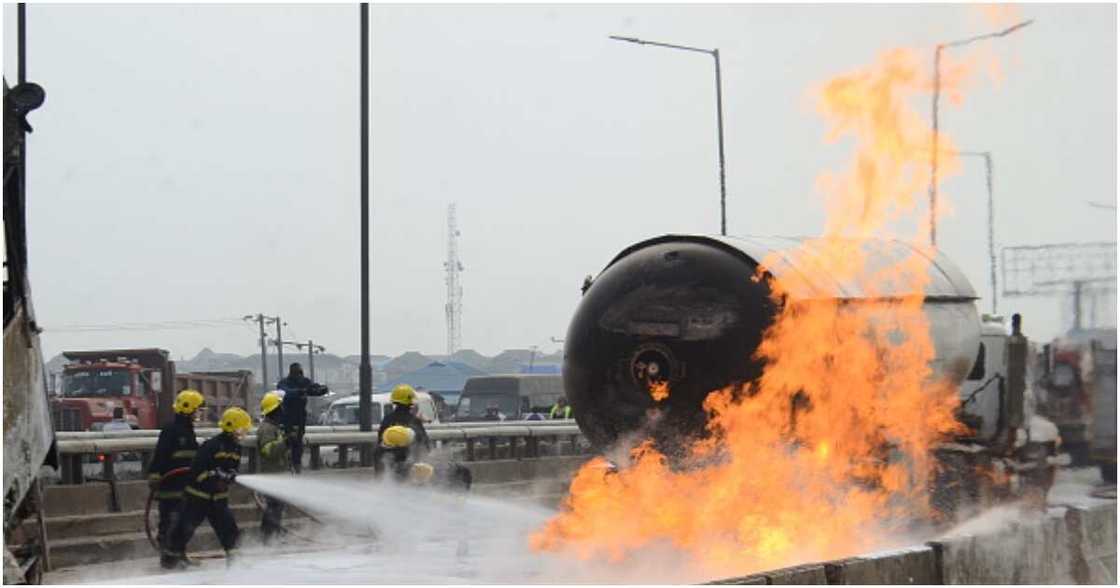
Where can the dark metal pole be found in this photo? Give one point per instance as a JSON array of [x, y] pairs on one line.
[[21, 39], [364, 375], [722, 176], [933, 151]]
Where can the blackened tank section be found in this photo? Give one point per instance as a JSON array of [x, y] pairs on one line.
[[684, 310], [675, 311]]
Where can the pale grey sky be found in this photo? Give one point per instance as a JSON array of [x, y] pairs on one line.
[[200, 162]]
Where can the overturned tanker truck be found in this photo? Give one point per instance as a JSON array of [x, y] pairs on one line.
[[681, 310]]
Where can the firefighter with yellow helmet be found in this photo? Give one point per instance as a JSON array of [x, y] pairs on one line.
[[275, 456], [401, 435], [214, 468], [175, 449]]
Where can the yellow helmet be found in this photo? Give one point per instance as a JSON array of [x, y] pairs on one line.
[[270, 402], [234, 420], [403, 394], [188, 401], [420, 473], [397, 436]]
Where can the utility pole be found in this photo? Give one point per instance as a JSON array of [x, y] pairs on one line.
[[312, 349], [279, 347], [260, 320]]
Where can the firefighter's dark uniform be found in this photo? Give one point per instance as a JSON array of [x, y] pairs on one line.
[[207, 495], [175, 449], [401, 415], [275, 456]]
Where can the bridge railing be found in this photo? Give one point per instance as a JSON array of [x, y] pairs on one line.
[[466, 441]]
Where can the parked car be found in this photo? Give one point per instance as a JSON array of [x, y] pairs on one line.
[[344, 411]]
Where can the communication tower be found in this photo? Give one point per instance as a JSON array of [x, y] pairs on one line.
[[454, 306]]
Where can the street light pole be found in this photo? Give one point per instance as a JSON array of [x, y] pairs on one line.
[[987, 155], [936, 100], [364, 373], [719, 117]]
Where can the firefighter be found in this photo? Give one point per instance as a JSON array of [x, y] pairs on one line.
[[560, 410], [207, 493], [272, 446], [175, 449], [403, 398], [297, 389]]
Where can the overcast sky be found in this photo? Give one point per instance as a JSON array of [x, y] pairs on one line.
[[201, 162]]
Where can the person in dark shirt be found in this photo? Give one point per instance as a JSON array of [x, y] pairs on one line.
[[403, 398], [174, 452], [213, 469], [297, 389]]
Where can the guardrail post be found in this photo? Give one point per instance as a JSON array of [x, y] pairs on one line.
[[253, 465], [470, 449], [107, 469], [493, 448], [343, 456], [575, 444], [316, 459], [145, 460], [72, 470]]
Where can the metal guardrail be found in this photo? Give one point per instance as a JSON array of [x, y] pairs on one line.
[[501, 440]]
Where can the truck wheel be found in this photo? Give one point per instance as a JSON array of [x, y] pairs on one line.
[[1108, 472]]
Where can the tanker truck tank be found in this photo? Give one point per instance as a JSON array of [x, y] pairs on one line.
[[683, 311]]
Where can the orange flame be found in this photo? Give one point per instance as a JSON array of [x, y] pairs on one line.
[[827, 453], [659, 391]]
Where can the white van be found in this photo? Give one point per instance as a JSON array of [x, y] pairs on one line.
[[344, 411]]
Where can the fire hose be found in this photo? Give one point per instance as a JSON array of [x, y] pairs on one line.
[[257, 499]]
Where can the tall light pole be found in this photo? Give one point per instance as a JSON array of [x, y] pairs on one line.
[[719, 118], [365, 406], [987, 155], [936, 101]]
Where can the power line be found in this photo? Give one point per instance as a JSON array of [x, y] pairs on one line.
[[147, 326]]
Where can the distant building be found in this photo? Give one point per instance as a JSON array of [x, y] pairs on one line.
[[540, 368], [445, 379]]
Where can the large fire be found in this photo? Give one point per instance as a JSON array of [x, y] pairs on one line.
[[828, 453]]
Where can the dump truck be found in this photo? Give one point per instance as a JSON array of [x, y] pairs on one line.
[[129, 383]]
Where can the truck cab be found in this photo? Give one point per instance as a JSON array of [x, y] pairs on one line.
[[91, 390]]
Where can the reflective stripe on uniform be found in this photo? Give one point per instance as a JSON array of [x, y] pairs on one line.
[[199, 493], [202, 476], [183, 453], [168, 495], [227, 455]]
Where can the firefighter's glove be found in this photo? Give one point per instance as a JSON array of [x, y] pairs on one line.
[[227, 476]]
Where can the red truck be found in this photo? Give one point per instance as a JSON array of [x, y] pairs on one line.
[[127, 385]]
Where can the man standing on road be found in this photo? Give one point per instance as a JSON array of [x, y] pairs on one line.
[[296, 390]]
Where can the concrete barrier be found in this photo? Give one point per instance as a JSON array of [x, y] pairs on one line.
[[1065, 545], [914, 565]]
